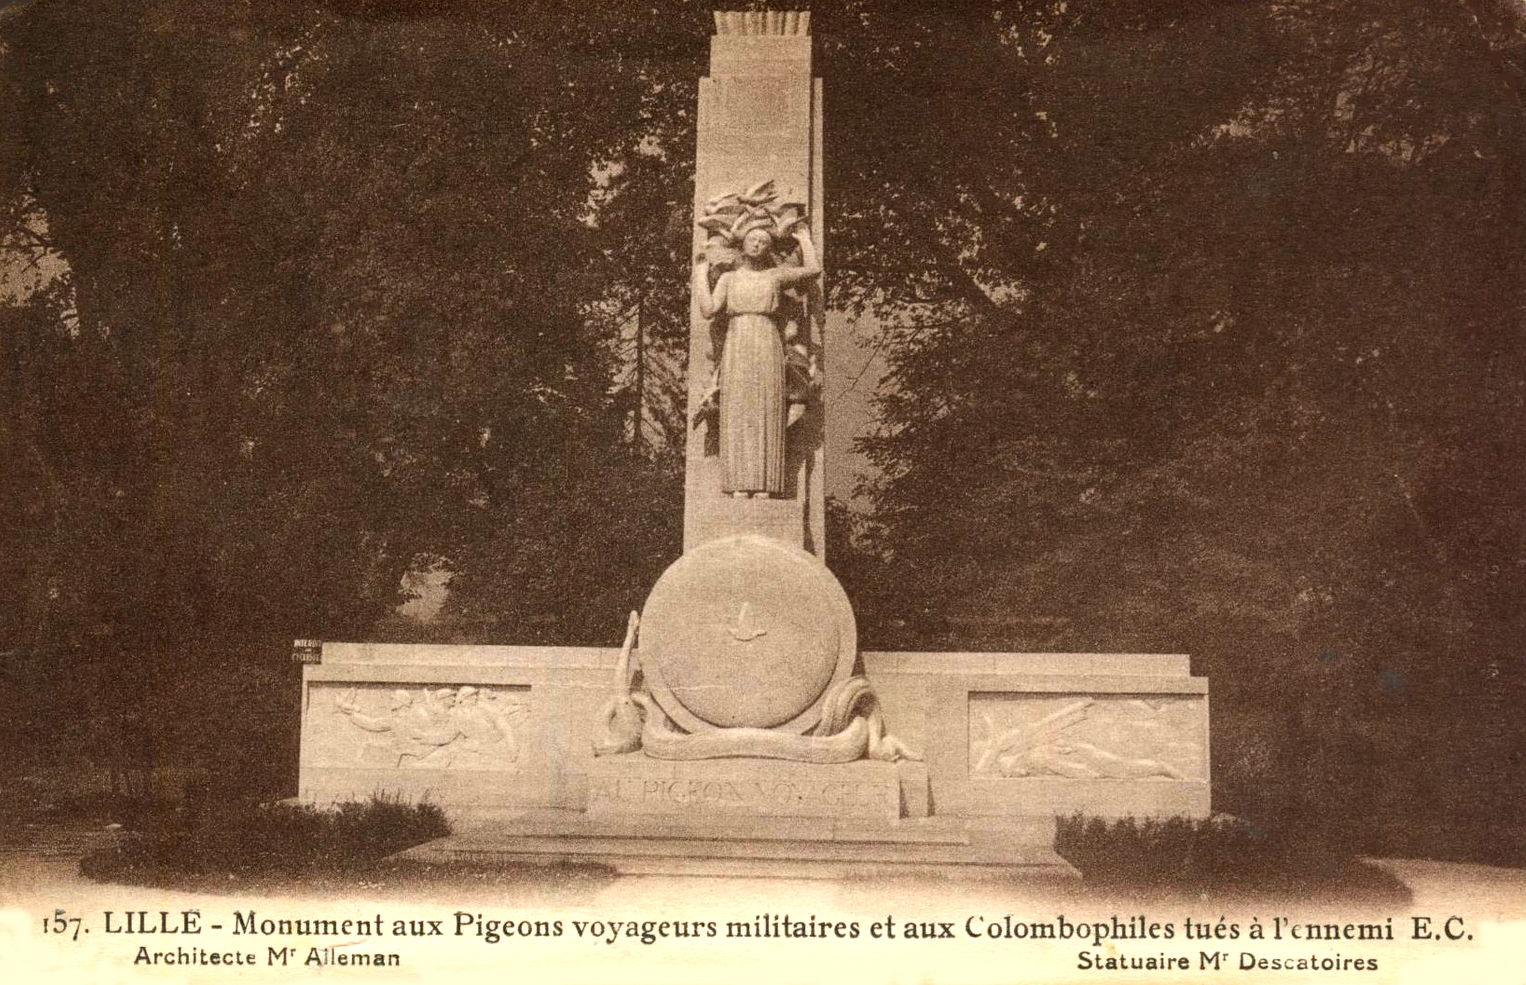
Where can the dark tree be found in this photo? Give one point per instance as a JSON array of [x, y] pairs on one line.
[[1204, 330], [332, 296]]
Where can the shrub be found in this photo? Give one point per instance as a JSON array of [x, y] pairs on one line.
[[268, 839], [1218, 853]]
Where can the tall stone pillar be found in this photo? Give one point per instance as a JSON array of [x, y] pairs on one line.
[[759, 120]]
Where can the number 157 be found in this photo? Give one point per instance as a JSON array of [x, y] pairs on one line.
[[58, 923]]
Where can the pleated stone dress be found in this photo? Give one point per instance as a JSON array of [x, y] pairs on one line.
[[752, 386]]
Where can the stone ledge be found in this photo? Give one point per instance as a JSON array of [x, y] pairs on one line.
[[455, 654], [995, 796], [1021, 664], [454, 790]]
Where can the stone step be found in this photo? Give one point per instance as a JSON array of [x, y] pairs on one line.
[[575, 824], [1045, 867], [950, 848]]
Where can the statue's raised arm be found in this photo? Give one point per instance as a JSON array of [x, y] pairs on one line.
[[810, 264], [711, 302]]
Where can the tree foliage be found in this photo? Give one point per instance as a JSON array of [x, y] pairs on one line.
[[334, 294], [1204, 330]]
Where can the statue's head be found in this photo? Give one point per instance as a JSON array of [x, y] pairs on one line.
[[758, 245]]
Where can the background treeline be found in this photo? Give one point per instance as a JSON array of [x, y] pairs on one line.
[[1203, 319]]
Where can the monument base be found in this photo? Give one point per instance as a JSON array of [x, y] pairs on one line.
[[775, 847], [503, 738]]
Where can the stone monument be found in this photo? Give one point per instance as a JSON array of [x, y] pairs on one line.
[[740, 729]]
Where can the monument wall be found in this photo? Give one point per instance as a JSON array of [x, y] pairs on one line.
[[1003, 734]]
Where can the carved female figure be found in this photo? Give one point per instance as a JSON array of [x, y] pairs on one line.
[[751, 376]]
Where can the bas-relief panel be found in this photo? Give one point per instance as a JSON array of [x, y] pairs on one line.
[[464, 727], [1088, 737]]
